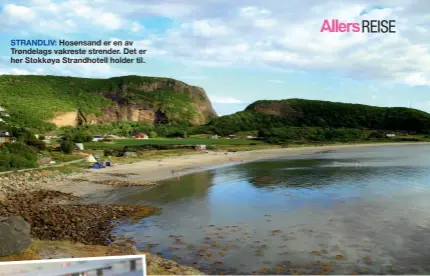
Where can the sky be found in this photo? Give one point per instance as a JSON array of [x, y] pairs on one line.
[[242, 51]]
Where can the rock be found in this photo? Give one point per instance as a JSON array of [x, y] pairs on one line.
[[14, 235]]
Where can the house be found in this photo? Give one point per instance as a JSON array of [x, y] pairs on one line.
[[390, 134], [200, 147], [140, 136], [97, 138], [248, 137], [214, 136], [5, 137], [232, 137]]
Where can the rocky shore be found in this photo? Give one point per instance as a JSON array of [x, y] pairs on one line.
[[59, 218], [53, 219]]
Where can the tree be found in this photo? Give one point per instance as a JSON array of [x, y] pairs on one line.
[[152, 134], [67, 146]]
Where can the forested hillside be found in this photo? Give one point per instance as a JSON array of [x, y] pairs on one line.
[[301, 113], [44, 102]]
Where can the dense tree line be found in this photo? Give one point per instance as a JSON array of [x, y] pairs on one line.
[[22, 153], [303, 113]]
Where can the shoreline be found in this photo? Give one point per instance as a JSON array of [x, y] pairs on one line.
[[41, 201], [151, 172]]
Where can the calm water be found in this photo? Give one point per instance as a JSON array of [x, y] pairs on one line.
[[365, 210]]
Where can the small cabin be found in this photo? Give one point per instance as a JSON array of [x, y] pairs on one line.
[[390, 134], [141, 136], [5, 137], [97, 138], [232, 137]]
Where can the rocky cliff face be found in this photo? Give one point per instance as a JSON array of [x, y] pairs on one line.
[[154, 100], [127, 105]]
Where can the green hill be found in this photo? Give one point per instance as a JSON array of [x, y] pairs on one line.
[[44, 102], [300, 113]]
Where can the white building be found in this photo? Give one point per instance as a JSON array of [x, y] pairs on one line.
[[390, 135], [97, 138]]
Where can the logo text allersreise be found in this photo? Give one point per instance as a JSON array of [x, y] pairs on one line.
[[366, 26]]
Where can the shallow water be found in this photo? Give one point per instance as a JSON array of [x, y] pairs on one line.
[[363, 210]]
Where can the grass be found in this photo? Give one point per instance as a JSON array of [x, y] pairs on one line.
[[120, 143], [60, 157], [68, 169]]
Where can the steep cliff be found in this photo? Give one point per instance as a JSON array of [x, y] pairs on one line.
[[41, 101]]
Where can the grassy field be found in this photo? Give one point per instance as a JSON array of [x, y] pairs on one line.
[[120, 143]]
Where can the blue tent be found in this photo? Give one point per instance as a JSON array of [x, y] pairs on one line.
[[97, 166]]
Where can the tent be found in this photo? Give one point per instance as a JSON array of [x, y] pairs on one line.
[[97, 166], [91, 159]]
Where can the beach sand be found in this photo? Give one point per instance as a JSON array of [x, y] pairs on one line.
[[150, 171]]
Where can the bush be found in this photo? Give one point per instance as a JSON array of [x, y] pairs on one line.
[[67, 146], [152, 134], [17, 156], [26, 151], [38, 144], [20, 162], [375, 135], [211, 147]]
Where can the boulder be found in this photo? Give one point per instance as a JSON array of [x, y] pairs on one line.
[[14, 235]]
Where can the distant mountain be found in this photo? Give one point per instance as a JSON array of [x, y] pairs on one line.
[[300, 112], [44, 102]]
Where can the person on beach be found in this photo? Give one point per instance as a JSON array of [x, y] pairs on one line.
[[177, 174]]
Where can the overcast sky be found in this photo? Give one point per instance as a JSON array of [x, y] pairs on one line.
[[242, 51]]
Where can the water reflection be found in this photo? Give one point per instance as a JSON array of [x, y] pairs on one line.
[[322, 208]]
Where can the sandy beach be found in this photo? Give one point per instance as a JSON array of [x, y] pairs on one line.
[[150, 171]]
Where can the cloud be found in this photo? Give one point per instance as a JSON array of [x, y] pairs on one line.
[[63, 17], [299, 45], [224, 100], [19, 71], [136, 27], [99, 70], [276, 81], [17, 14], [206, 28], [251, 33]]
